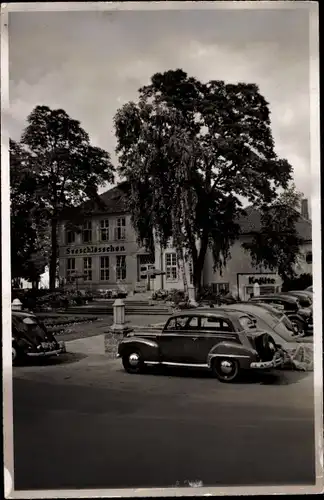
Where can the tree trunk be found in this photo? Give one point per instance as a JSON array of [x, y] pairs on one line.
[[197, 275], [53, 258], [198, 265], [183, 272]]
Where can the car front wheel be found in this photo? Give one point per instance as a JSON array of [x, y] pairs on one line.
[[226, 369], [133, 362]]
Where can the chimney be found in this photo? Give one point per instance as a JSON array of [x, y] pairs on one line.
[[304, 209]]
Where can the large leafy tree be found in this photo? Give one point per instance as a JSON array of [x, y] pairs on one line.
[[28, 229], [191, 151], [67, 168], [277, 244]]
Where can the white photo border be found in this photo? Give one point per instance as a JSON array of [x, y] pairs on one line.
[[312, 7]]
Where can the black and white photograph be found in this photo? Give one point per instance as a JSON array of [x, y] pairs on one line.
[[161, 249]]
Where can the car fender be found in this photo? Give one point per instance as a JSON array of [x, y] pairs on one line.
[[149, 348], [243, 354]]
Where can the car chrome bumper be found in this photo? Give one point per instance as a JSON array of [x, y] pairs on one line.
[[42, 354], [262, 365]]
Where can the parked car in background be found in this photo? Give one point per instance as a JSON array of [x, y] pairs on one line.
[[305, 298], [301, 317], [272, 321], [225, 342], [30, 338]]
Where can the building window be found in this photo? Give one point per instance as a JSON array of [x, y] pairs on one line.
[[120, 230], [220, 288], [309, 258], [70, 236], [87, 268], [171, 267], [87, 231], [120, 267], [70, 269], [104, 230], [104, 268]]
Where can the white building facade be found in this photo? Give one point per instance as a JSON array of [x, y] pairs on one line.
[[104, 254]]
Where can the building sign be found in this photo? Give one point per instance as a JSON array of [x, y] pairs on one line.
[[94, 249], [257, 284]]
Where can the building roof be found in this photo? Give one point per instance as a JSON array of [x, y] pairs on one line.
[[251, 223], [114, 201]]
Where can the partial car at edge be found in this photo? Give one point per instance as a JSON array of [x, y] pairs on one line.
[[31, 339]]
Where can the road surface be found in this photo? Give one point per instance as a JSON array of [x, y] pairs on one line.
[[85, 423]]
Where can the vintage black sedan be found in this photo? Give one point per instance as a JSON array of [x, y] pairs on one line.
[[31, 339], [225, 342]]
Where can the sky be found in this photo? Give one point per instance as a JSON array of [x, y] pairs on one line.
[[90, 63]]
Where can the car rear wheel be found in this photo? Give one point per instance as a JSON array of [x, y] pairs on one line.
[[226, 369], [133, 362]]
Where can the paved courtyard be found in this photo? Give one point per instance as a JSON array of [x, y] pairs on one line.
[[82, 422]]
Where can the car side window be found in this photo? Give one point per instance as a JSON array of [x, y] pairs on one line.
[[178, 323], [193, 323], [215, 324]]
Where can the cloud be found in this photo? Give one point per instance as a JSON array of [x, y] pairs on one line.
[[89, 63]]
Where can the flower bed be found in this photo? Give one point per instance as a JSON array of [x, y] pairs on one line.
[[58, 325]]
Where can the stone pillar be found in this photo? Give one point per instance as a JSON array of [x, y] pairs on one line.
[[16, 305], [192, 296], [117, 331]]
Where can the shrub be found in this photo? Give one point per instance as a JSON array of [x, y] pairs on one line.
[[207, 294], [160, 295], [299, 283]]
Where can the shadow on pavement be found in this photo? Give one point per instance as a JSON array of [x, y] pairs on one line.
[[280, 377], [69, 357]]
